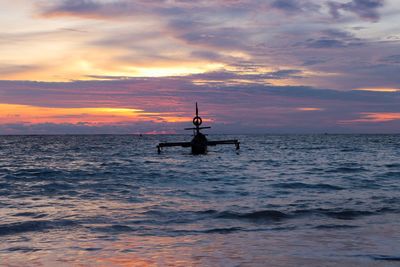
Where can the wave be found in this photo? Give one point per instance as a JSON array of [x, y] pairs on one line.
[[115, 228], [23, 249], [223, 230], [335, 226], [346, 170], [42, 173], [393, 165], [385, 258], [168, 217], [34, 226], [274, 215], [351, 149], [304, 185], [30, 214], [337, 214], [391, 174], [262, 215]]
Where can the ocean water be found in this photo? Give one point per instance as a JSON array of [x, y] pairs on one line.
[[281, 200]]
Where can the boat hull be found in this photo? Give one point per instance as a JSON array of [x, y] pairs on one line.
[[198, 149], [199, 144]]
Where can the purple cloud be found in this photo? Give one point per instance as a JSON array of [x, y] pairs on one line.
[[237, 108], [366, 9], [295, 6]]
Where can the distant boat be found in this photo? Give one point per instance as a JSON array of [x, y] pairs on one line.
[[199, 142]]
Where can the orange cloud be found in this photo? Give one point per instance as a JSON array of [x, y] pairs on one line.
[[374, 117], [383, 90], [10, 113], [309, 109]]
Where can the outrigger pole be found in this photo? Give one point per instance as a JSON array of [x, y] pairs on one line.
[[199, 142]]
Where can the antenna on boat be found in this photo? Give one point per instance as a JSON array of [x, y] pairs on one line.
[[197, 121]]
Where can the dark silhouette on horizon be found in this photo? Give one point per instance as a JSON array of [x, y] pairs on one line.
[[199, 142]]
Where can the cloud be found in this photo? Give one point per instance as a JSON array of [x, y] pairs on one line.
[[295, 6], [365, 9], [85, 8], [229, 77], [251, 63], [333, 38], [107, 10], [369, 117], [392, 59], [76, 6], [16, 69], [162, 38], [237, 108], [84, 128], [325, 43], [223, 37], [287, 5], [309, 109]]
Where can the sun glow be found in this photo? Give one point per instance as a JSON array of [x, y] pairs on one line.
[[309, 109], [11, 113], [174, 70], [370, 117], [383, 90]]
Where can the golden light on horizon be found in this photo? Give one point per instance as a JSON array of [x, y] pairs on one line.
[[383, 90], [83, 69], [309, 109], [13, 113], [374, 117], [176, 70]]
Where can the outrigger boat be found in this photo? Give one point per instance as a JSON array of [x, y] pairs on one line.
[[199, 142]]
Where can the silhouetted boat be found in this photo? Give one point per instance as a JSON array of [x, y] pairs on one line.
[[199, 142]]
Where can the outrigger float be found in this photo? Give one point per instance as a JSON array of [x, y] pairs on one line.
[[199, 142]]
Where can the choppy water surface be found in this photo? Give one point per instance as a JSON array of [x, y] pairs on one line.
[[289, 200]]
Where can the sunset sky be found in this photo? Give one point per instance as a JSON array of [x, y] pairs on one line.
[[254, 66]]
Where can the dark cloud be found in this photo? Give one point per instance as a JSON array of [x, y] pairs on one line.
[[241, 107], [333, 38], [325, 43], [393, 59], [297, 40], [314, 61], [288, 5], [105, 10], [366, 9], [135, 92], [77, 6], [336, 33], [331, 43], [205, 54], [228, 76], [295, 6], [72, 7], [223, 37]]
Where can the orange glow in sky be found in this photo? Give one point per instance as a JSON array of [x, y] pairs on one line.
[[309, 109], [385, 90], [10, 113], [374, 118]]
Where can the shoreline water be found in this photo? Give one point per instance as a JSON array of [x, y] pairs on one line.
[[288, 200]]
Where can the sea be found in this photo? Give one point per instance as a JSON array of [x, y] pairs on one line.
[[281, 200]]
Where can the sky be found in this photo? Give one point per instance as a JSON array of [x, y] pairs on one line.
[[254, 66]]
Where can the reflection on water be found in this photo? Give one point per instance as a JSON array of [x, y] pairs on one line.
[[277, 248], [307, 200]]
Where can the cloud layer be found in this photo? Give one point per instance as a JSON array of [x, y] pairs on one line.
[[166, 105], [255, 65]]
